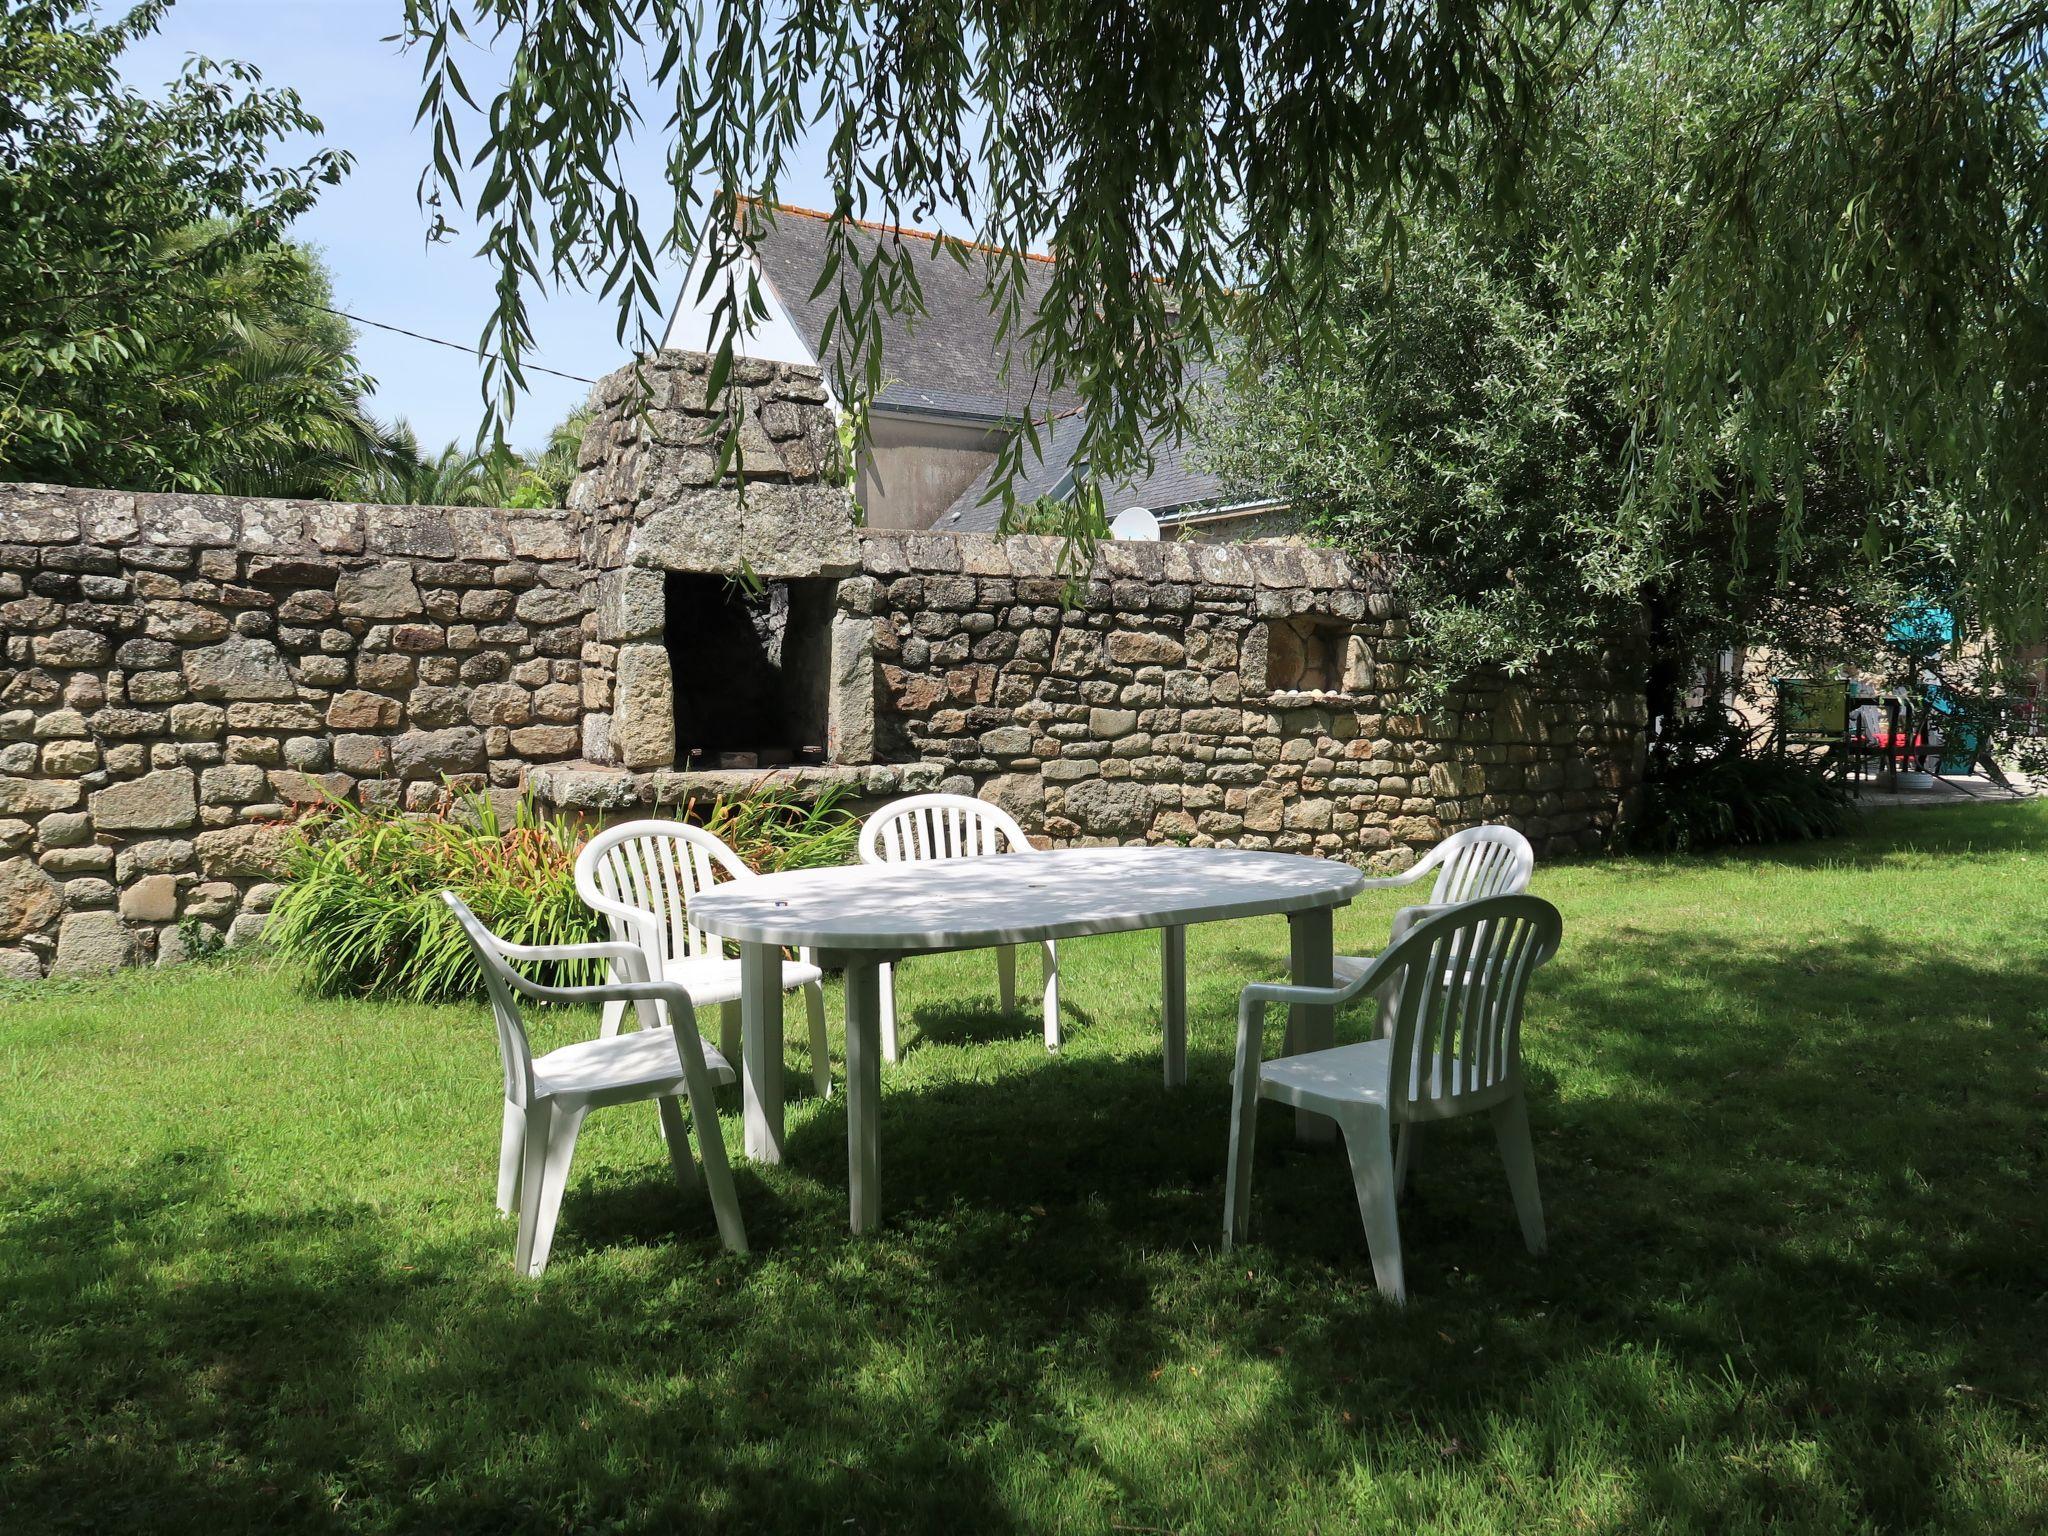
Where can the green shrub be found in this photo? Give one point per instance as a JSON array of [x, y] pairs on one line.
[[361, 909], [362, 912], [772, 830], [1737, 799]]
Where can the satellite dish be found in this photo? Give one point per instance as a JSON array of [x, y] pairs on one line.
[[1135, 523]]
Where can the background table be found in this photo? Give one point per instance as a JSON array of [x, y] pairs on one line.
[[858, 916]]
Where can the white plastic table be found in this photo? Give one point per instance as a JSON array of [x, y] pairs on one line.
[[860, 915]]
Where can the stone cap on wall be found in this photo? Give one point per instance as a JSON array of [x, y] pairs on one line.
[[281, 530], [896, 552], [596, 787]]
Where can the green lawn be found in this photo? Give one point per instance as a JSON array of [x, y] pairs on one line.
[[1789, 1110]]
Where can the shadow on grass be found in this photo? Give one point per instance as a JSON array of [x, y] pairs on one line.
[[1793, 1201]]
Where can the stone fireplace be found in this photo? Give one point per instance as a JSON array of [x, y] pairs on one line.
[[752, 669]]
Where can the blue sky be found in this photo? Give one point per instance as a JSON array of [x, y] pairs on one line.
[[371, 230]]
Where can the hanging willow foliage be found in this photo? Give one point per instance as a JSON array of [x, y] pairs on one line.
[[1865, 182]]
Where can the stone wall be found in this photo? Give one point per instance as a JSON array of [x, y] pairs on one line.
[[178, 673], [1243, 694]]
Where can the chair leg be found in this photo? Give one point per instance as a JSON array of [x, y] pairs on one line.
[[1405, 1147], [1054, 1037], [551, 1130], [887, 979], [821, 1045], [729, 1033], [511, 1148], [1368, 1142], [677, 1135], [1518, 1151], [1237, 1187], [725, 1199], [1006, 977]]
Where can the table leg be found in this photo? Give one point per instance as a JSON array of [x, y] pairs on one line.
[[863, 1095], [1173, 986], [761, 1049], [1311, 944]]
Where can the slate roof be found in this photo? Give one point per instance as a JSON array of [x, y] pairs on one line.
[[1174, 483], [944, 361], [945, 364]]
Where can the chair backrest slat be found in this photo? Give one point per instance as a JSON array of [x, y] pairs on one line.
[[658, 868], [925, 828], [1460, 980]]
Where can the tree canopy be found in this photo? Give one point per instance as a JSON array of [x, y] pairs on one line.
[[157, 329], [1861, 182], [1473, 412]]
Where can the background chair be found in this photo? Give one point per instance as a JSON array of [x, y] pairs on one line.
[[1473, 865], [642, 875], [1455, 1049], [546, 1099], [922, 828]]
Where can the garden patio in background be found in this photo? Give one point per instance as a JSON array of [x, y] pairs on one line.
[[1789, 1114]]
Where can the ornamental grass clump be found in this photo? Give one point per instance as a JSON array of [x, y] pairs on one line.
[[363, 914], [773, 829]]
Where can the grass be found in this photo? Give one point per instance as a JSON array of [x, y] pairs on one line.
[[1789, 1112]]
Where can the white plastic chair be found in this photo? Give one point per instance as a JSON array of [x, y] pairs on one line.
[[1455, 1049], [547, 1098], [642, 875], [1472, 865], [922, 828]]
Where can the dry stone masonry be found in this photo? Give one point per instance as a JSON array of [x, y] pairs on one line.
[[180, 676], [183, 674], [1241, 694]]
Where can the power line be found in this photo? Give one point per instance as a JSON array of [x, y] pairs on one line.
[[574, 378]]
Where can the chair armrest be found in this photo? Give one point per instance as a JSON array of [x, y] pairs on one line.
[[682, 1014], [618, 954], [1389, 882]]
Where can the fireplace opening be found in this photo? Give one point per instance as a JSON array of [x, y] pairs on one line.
[[752, 670]]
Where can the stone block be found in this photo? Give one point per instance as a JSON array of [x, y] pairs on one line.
[[643, 729], [258, 850], [432, 707], [357, 710], [152, 899], [33, 797], [244, 667], [29, 900], [92, 943], [1109, 808], [546, 741], [1008, 741], [546, 605], [429, 754], [158, 856], [72, 648], [367, 757], [163, 801], [632, 605], [235, 784]]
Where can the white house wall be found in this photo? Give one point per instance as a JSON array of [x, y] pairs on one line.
[[773, 339]]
